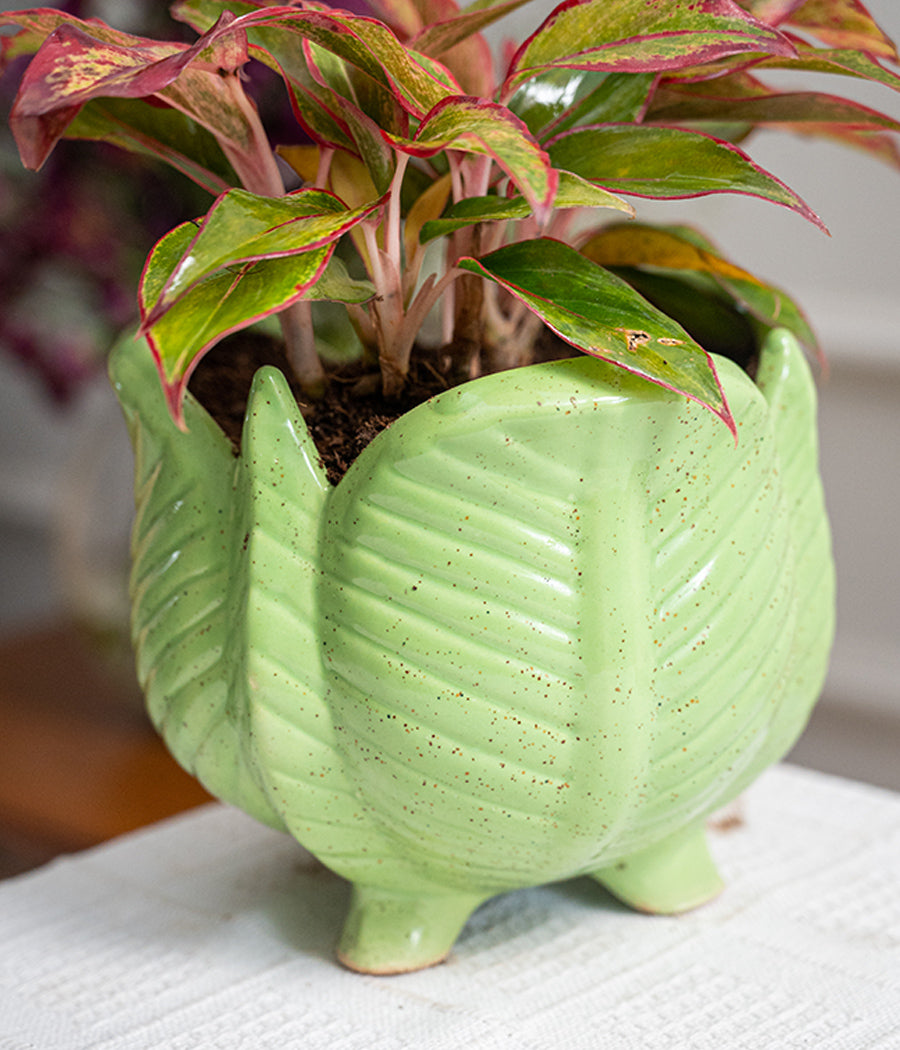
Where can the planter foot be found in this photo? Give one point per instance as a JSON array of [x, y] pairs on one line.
[[671, 876], [393, 932]]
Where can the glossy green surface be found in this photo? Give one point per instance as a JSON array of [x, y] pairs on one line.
[[546, 624], [594, 309], [624, 158]]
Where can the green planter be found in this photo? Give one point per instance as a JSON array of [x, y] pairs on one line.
[[545, 625]]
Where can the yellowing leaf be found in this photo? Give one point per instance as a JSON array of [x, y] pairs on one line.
[[304, 160], [427, 207], [635, 244]]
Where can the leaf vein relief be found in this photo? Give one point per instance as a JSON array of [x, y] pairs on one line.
[[428, 667]]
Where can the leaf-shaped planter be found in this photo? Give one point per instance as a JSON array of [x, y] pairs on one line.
[[547, 623]]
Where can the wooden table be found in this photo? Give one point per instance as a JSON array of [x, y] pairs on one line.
[[79, 761]]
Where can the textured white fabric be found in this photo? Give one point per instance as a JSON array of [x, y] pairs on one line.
[[212, 932]]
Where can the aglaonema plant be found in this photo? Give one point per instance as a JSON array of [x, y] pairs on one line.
[[436, 176], [519, 640]]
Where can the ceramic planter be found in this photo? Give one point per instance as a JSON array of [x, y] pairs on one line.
[[546, 624]]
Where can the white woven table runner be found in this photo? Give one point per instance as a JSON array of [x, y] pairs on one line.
[[212, 932]]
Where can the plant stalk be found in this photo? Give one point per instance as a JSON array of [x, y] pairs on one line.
[[257, 169]]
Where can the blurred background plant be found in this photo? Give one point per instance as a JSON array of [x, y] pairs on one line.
[[73, 237]]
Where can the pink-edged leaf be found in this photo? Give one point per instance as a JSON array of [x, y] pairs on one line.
[[880, 146], [365, 106], [841, 61], [773, 12], [317, 109], [573, 192], [626, 158], [602, 315], [743, 99], [641, 36], [160, 132], [224, 302], [679, 250], [244, 227], [52, 91], [470, 60], [72, 67], [418, 83], [403, 16], [36, 24], [438, 37], [843, 24], [474, 125]]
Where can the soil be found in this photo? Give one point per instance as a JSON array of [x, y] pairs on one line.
[[352, 412]]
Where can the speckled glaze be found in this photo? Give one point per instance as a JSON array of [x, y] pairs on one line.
[[546, 624]]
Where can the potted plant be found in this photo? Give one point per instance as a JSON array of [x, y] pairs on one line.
[[576, 591]]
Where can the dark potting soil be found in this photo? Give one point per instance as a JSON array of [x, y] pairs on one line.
[[352, 411], [349, 415]]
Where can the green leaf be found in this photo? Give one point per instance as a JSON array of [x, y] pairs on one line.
[[224, 302], [439, 37], [770, 305], [842, 62], [603, 316], [667, 163], [159, 132], [634, 36], [365, 108], [471, 210], [319, 110], [243, 227], [478, 126], [844, 24], [754, 103], [699, 306], [681, 251], [573, 192], [337, 286], [72, 67], [560, 98], [621, 98], [416, 81], [544, 98]]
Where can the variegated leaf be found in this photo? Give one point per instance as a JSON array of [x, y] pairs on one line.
[[601, 315], [244, 227], [223, 302], [637, 36], [416, 81], [573, 192], [625, 158], [681, 250], [477, 126], [843, 24], [72, 67]]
